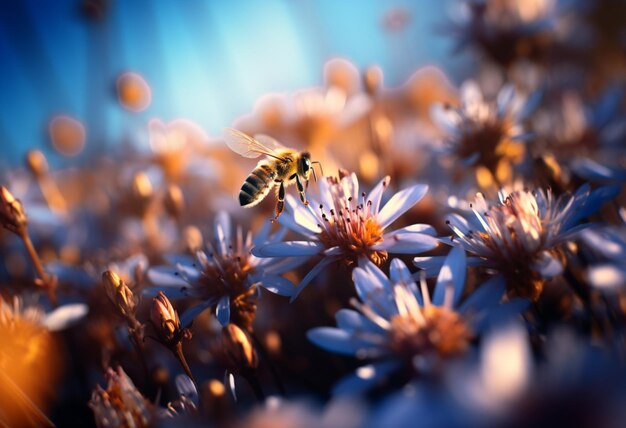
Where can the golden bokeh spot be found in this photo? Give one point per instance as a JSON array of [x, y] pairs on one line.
[[67, 135], [133, 92]]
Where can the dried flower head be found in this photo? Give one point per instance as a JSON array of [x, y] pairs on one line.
[[121, 404]]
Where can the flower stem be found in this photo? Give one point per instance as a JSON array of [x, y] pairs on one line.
[[178, 352], [46, 281]]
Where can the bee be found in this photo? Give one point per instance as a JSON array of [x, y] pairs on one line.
[[282, 167]]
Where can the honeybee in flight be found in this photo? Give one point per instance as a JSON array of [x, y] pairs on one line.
[[282, 167]]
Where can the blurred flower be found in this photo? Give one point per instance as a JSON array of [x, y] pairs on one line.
[[485, 135], [399, 326], [508, 30], [121, 404], [30, 358], [226, 275], [520, 234], [133, 92], [67, 135], [344, 225], [586, 139], [282, 413], [176, 146]]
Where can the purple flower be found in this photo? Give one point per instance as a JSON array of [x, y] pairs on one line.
[[399, 325], [344, 225], [520, 234], [226, 275]]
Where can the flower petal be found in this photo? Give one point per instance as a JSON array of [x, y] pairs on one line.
[[289, 249], [298, 218], [452, 272], [400, 203], [166, 276], [548, 266], [351, 320], [65, 316], [334, 340], [376, 194], [399, 273], [486, 296], [222, 311], [223, 231], [277, 285], [417, 228], [407, 243]]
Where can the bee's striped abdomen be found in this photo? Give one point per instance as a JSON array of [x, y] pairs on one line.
[[256, 186]]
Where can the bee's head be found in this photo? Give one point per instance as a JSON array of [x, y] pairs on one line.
[[304, 165]]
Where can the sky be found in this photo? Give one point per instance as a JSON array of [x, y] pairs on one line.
[[208, 61]]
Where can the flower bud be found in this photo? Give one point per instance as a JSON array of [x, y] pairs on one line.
[[119, 293], [12, 215], [174, 201], [238, 348], [37, 163], [164, 318]]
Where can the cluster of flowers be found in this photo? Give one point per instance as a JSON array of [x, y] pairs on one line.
[[461, 265]]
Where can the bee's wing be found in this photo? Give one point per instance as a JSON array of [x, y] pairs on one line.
[[245, 145], [268, 142]]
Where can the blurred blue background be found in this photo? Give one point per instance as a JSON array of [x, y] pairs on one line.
[[208, 61]]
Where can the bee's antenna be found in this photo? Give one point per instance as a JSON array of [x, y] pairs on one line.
[[321, 169]]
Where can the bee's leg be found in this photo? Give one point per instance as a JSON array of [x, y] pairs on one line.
[[280, 204], [301, 190]]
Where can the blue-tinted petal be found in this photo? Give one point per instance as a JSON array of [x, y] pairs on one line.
[[334, 340], [486, 296], [222, 311], [65, 316], [278, 285], [407, 243], [452, 272], [289, 248], [400, 203]]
